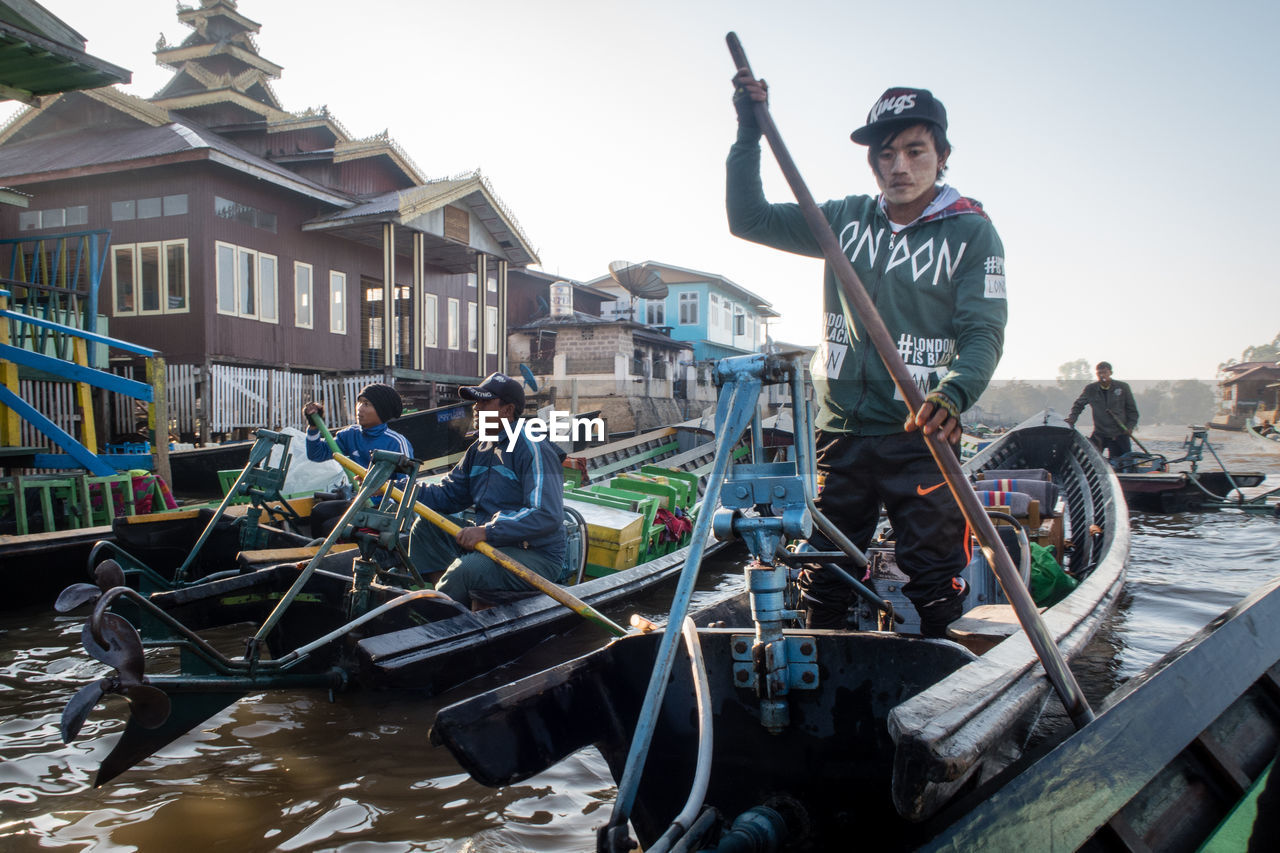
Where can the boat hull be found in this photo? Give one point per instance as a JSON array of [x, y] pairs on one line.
[[1162, 764], [923, 732], [839, 728], [1174, 491]]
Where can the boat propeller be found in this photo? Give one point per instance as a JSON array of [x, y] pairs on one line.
[[107, 575], [110, 639]]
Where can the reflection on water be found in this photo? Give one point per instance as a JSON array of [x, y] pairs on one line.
[[296, 772]]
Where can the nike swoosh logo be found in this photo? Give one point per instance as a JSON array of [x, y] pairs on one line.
[[922, 491]]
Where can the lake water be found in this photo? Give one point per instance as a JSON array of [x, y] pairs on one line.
[[296, 772]]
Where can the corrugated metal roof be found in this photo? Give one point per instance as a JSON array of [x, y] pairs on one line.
[[122, 145], [32, 64], [415, 201]]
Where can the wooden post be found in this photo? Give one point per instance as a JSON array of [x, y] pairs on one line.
[[388, 295], [10, 423], [84, 400], [418, 307], [482, 287], [502, 316], [158, 419]]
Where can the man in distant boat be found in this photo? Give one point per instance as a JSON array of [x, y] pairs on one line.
[[934, 267], [376, 404], [518, 496], [1115, 414]]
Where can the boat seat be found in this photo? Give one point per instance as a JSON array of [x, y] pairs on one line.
[[1015, 474], [982, 627], [1042, 491], [1017, 504], [1041, 515]]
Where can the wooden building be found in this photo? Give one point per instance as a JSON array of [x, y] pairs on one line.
[[242, 234]]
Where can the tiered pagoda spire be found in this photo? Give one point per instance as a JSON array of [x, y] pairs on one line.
[[217, 62]]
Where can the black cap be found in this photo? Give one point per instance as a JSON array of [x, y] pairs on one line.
[[496, 385], [901, 107], [385, 401]]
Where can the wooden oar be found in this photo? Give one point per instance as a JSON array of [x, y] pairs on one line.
[[1042, 641], [533, 579]]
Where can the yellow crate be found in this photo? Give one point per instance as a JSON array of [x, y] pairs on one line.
[[613, 537]]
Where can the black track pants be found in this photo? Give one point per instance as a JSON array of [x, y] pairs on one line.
[[857, 474]]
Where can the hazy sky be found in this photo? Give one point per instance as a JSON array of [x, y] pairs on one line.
[[1124, 150]]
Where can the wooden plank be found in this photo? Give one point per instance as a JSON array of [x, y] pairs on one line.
[[282, 555]]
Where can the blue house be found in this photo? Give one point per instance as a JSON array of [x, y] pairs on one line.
[[718, 317]]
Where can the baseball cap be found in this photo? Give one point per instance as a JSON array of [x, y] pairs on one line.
[[901, 106], [497, 385]]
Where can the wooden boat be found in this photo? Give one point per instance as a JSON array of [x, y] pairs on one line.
[[1150, 485], [359, 619], [195, 471], [1183, 491], [1177, 761], [1270, 438], [886, 729]]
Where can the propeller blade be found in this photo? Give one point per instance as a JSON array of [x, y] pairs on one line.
[[149, 705], [76, 595], [108, 574], [123, 649], [77, 710]]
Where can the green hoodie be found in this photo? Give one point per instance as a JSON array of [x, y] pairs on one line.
[[938, 285]]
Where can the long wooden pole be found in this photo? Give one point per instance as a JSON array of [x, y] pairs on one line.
[[533, 579], [992, 547]]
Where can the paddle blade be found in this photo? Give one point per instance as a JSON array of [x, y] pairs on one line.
[[75, 596], [77, 710]]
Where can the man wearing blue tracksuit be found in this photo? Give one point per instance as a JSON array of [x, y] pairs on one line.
[[518, 495]]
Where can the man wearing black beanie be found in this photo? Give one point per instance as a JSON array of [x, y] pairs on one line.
[[377, 404]]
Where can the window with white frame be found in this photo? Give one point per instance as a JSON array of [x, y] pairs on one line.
[[146, 208], [491, 329], [454, 329], [247, 283], [150, 278], [430, 320], [688, 309], [303, 308], [337, 302], [473, 327], [739, 320], [58, 217], [491, 282], [655, 312], [268, 289], [713, 311]]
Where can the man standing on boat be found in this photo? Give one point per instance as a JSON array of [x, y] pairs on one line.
[[934, 267], [518, 495], [376, 404], [1115, 414]]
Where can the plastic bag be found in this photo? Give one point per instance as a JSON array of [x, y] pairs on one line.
[[1049, 583], [305, 476]]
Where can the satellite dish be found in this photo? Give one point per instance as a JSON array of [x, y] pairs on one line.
[[640, 280], [529, 378]]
